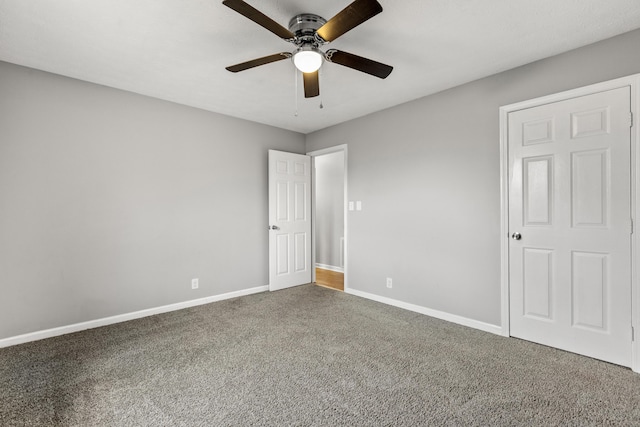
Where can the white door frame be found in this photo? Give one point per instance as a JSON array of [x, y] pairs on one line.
[[314, 154], [633, 82]]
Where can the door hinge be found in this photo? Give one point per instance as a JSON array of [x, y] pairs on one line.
[[630, 119], [631, 226], [633, 334]]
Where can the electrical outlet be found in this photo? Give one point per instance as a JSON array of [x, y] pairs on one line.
[[195, 283], [389, 282]]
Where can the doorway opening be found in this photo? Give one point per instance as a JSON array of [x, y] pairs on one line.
[[329, 218]]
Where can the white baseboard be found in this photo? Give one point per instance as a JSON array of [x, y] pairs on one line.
[[330, 267], [487, 327], [54, 332]]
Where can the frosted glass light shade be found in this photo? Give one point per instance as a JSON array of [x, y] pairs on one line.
[[307, 60]]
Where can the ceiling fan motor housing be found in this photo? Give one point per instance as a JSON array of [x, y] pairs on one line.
[[304, 26]]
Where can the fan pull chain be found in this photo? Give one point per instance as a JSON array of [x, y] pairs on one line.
[[296, 79]]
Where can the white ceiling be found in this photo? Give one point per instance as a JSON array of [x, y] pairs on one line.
[[177, 50]]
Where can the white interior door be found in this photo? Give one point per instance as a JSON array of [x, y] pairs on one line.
[[289, 220], [569, 209]]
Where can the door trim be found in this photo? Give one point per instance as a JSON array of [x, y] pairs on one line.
[[313, 154], [633, 82]]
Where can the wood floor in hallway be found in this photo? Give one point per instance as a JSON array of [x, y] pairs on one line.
[[330, 279]]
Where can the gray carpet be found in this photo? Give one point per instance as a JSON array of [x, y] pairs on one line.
[[305, 356]]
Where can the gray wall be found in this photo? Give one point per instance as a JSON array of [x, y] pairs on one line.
[[329, 198], [110, 202], [428, 175]]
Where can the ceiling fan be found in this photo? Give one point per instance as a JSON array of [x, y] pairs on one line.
[[309, 32]]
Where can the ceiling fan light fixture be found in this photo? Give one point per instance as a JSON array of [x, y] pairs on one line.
[[308, 59]]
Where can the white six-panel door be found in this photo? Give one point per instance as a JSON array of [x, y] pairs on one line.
[[289, 219], [569, 209]]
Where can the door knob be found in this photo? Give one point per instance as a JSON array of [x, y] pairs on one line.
[[516, 236], [274, 227]]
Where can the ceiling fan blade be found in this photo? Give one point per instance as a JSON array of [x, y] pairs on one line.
[[350, 17], [259, 18], [259, 61], [311, 84], [359, 63]]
